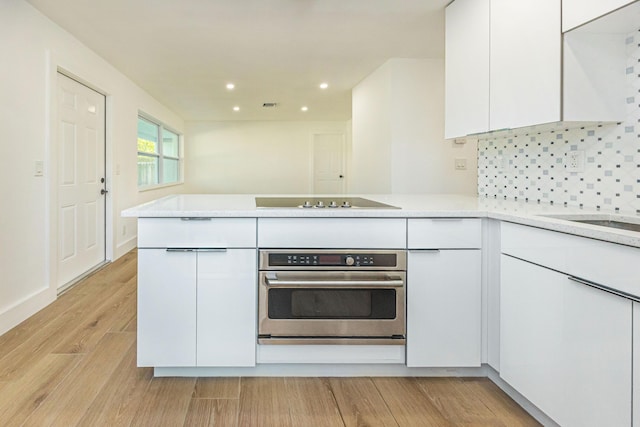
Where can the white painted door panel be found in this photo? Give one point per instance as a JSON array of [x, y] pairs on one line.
[[81, 166], [526, 63], [328, 163], [444, 308], [565, 346], [166, 308], [466, 68], [227, 307]]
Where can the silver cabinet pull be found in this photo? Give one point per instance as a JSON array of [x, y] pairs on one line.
[[389, 283], [603, 288], [195, 218], [196, 249]]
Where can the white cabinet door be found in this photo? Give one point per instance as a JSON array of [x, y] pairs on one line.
[[227, 307], [466, 68], [525, 63], [166, 308], [444, 233], [636, 364], [444, 308], [578, 12], [565, 346]]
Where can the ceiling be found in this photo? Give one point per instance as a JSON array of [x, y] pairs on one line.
[[184, 52]]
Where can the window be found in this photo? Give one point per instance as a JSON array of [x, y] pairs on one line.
[[158, 154]]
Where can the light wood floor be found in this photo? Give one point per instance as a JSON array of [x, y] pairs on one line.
[[74, 364]]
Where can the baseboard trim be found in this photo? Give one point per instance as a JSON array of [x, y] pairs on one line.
[[22, 310], [125, 247], [531, 409], [319, 370]]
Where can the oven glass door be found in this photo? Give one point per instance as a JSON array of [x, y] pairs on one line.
[[332, 304]]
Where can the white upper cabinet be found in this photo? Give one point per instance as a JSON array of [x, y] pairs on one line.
[[503, 65], [525, 63], [508, 66], [467, 68], [578, 12]]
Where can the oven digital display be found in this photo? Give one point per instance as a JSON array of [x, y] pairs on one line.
[[329, 259], [332, 259]]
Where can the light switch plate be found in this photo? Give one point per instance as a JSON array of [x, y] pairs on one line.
[[38, 168]]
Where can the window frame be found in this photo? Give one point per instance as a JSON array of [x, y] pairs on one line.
[[159, 155]]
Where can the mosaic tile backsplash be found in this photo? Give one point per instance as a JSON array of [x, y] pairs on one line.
[[533, 166]]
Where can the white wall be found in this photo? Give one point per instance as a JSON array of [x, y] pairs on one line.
[[398, 133], [33, 48], [371, 133], [252, 157]]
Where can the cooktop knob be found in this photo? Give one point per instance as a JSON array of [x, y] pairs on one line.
[[333, 204], [349, 260], [307, 204], [346, 204]]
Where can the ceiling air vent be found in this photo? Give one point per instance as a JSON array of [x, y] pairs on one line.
[[269, 104]]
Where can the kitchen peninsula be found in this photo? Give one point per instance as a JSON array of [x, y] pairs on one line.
[[477, 270]]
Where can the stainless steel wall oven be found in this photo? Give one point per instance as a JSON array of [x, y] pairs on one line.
[[332, 296]]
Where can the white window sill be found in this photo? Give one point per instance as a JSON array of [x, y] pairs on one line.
[[158, 186]]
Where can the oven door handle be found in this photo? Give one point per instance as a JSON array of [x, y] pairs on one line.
[[387, 283]]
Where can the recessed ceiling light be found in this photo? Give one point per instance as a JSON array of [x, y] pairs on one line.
[[305, 108], [324, 85], [230, 86], [236, 108]]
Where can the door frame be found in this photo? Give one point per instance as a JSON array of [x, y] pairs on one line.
[[54, 66], [343, 135]]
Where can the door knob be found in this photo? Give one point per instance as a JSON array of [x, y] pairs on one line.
[[103, 191]]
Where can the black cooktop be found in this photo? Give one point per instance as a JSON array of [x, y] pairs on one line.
[[336, 202]]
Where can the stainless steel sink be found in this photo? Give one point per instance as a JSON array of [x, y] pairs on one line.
[[611, 224], [610, 221]]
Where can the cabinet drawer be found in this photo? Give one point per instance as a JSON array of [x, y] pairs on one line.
[[608, 264], [445, 233], [197, 233], [383, 233]]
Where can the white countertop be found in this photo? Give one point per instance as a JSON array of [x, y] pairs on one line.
[[412, 206]]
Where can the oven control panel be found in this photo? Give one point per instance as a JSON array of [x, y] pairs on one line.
[[324, 259]]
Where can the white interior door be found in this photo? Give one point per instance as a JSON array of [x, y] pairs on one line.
[[328, 163], [81, 175]]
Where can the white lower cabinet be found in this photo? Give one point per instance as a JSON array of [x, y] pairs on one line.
[[636, 364], [565, 346], [227, 308], [196, 307], [444, 308], [166, 308]]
